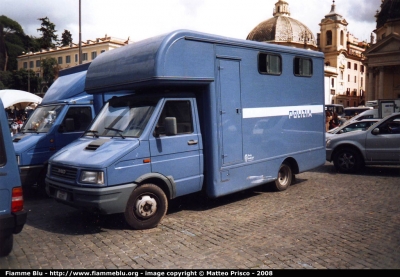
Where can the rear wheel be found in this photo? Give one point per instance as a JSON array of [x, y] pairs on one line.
[[285, 177], [347, 160], [146, 207], [6, 245]]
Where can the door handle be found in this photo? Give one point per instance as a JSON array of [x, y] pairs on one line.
[[192, 142]]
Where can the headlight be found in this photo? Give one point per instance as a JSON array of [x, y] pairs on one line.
[[328, 142], [92, 177]]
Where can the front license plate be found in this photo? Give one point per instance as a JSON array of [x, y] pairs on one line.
[[62, 195]]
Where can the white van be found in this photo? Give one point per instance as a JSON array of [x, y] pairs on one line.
[[354, 111], [372, 113]]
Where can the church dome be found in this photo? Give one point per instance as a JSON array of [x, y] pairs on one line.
[[390, 11], [282, 29]]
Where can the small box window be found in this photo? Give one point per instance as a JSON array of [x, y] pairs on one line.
[[303, 67], [269, 64]]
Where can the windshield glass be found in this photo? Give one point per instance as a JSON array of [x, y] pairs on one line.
[[42, 119], [124, 117]]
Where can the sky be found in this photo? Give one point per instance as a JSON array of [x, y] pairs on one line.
[[141, 19]]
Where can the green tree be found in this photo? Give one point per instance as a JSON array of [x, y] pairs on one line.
[[49, 37], [50, 70], [20, 80], [8, 27], [66, 38]]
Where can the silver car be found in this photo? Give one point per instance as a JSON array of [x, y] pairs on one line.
[[361, 125], [378, 145]]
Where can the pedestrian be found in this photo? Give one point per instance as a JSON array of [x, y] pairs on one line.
[[334, 122], [14, 127], [328, 118]]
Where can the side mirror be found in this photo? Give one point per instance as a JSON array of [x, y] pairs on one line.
[[170, 126], [375, 131]]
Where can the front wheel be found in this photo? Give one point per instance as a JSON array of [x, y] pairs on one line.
[[146, 207], [347, 160], [285, 177]]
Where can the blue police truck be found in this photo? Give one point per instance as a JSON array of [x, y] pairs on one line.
[[65, 112], [204, 112], [12, 213]]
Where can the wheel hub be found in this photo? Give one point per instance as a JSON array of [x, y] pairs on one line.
[[146, 206]]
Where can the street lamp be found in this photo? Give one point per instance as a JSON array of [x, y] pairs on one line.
[[80, 35], [29, 75]]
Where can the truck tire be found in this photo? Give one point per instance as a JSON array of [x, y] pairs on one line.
[[6, 245], [285, 177], [347, 160], [146, 207]]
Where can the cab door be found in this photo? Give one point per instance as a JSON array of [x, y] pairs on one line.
[[178, 153]]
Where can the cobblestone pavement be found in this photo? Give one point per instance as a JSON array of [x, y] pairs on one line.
[[326, 220]]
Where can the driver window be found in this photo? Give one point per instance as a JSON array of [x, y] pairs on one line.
[[391, 126], [182, 111], [77, 119]]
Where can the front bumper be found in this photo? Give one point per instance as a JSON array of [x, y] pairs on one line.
[[106, 200]]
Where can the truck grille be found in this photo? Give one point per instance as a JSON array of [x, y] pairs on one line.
[[63, 172]]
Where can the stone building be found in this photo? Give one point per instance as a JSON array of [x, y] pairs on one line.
[[383, 57], [67, 56], [345, 74]]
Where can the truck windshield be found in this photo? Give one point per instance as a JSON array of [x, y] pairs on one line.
[[42, 119], [123, 117]]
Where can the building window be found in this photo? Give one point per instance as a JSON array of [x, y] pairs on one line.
[[355, 66], [348, 78], [94, 55], [25, 65], [341, 75], [31, 64], [68, 59], [303, 67], [362, 81], [349, 65], [355, 79], [341, 38], [37, 63], [102, 51], [362, 69], [329, 38], [84, 57], [269, 64], [333, 82], [76, 58], [60, 60]]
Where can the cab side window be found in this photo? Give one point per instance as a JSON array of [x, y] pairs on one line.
[[181, 111], [77, 119]]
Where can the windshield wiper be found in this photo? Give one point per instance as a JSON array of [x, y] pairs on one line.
[[119, 132], [94, 132]]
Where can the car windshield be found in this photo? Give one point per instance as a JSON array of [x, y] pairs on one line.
[[42, 119], [123, 117]]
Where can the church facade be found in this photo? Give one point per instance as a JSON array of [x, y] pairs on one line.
[[383, 57], [345, 73]]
